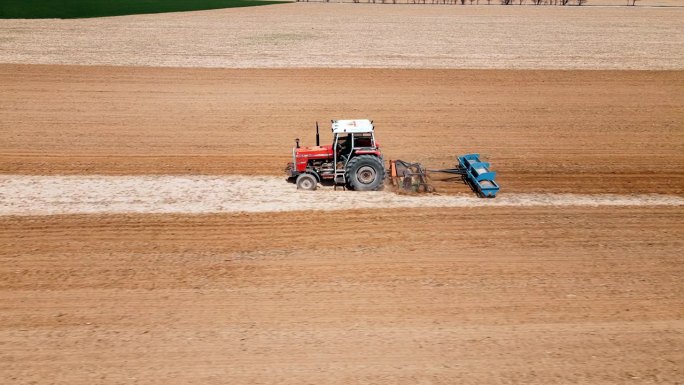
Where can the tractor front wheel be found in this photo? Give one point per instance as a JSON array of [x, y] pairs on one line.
[[306, 182], [365, 173]]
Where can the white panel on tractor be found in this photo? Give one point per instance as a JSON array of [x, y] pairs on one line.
[[353, 126]]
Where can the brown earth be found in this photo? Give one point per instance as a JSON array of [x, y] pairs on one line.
[[434, 296], [546, 131], [490, 295], [361, 35]]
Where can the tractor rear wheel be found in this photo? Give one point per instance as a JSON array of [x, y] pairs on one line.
[[306, 182], [365, 173]]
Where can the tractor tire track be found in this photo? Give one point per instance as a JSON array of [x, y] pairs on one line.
[[154, 194]]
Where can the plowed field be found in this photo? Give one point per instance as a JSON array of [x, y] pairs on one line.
[[566, 291], [147, 235], [362, 35], [543, 131], [433, 296]]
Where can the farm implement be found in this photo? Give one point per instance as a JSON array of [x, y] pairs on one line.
[[354, 161], [475, 174]]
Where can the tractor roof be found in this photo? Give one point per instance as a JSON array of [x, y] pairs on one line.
[[353, 126]]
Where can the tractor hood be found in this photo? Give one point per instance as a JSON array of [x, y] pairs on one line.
[[314, 152]]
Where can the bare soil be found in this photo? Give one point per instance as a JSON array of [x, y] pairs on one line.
[[432, 296], [361, 35], [191, 194], [550, 294], [543, 131]]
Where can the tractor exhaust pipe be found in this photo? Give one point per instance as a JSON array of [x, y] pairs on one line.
[[318, 138]]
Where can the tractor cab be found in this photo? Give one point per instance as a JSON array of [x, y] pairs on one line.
[[352, 137]]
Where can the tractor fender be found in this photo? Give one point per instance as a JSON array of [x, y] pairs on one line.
[[314, 173]]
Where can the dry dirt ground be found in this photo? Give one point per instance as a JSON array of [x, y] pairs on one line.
[[486, 295], [195, 194], [543, 131], [432, 296], [368, 35], [552, 294]]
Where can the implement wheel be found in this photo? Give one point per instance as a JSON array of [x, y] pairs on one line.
[[306, 182], [365, 173]]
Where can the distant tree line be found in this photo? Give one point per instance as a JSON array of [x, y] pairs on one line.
[[488, 2], [542, 2]]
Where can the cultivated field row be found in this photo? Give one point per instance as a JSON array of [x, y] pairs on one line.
[[589, 295], [361, 35], [581, 132]]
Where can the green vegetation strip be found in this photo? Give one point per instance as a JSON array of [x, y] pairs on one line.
[[72, 9]]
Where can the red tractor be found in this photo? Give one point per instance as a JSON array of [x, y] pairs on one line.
[[353, 160]]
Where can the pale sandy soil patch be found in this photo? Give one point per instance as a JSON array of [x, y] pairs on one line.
[[361, 35], [45, 195]]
